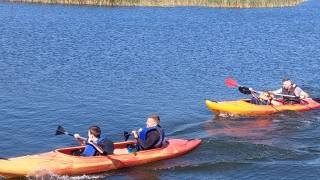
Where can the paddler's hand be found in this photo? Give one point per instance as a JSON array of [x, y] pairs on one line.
[[77, 136], [135, 134], [80, 139], [302, 96]]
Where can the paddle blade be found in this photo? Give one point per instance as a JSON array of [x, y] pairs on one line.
[[60, 130], [245, 90], [126, 135], [231, 82]]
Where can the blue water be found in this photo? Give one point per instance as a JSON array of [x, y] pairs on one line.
[[78, 66]]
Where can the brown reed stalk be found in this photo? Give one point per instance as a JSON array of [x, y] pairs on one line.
[[173, 3]]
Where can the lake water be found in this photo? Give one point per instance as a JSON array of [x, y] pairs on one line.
[[77, 66]]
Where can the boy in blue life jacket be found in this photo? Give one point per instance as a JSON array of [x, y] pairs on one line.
[[95, 145], [152, 136]]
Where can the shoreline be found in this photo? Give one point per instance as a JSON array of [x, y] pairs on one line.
[[171, 3]]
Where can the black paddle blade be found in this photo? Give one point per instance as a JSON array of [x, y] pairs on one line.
[[60, 130], [126, 135], [244, 90], [4, 158]]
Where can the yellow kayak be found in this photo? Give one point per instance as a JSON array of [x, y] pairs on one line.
[[243, 107]]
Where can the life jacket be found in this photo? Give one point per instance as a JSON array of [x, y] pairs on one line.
[[143, 136], [104, 143], [89, 150], [290, 100]]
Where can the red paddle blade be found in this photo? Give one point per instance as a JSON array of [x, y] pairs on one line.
[[231, 82]]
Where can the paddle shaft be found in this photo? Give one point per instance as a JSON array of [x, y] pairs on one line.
[[284, 95], [127, 135], [98, 148], [71, 134], [233, 83], [260, 92]]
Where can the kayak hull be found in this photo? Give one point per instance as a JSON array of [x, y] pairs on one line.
[[244, 108], [61, 162]]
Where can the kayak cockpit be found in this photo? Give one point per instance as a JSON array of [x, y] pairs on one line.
[[119, 148]]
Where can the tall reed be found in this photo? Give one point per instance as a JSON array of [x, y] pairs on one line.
[[173, 3]]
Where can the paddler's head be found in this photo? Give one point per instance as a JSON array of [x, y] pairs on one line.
[[94, 133], [153, 120], [286, 83]]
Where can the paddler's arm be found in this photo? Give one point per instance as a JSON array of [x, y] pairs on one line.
[[80, 139], [83, 141], [300, 93]]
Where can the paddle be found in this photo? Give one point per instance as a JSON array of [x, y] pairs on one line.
[[4, 158], [245, 90], [60, 131], [126, 135]]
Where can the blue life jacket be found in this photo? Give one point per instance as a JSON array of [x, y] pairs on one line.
[[145, 131], [89, 150], [103, 142], [106, 144]]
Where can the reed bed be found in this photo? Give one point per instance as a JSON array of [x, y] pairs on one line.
[[173, 3]]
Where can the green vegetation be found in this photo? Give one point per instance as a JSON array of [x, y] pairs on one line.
[[172, 3]]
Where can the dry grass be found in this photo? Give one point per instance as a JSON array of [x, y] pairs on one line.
[[173, 3]]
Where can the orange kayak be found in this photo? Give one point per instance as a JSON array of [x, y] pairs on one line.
[[243, 107], [62, 162]]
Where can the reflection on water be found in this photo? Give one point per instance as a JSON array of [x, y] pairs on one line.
[[129, 173], [139, 172], [289, 130], [255, 130]]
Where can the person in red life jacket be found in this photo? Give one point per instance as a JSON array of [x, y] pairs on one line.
[[152, 136], [289, 88], [94, 144]]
